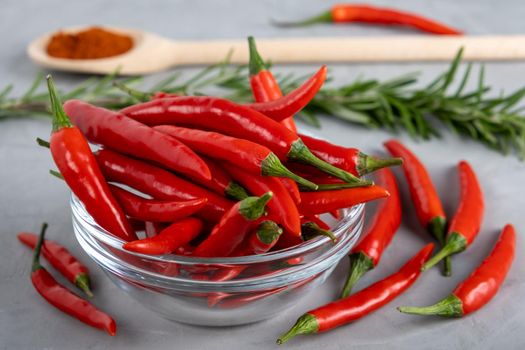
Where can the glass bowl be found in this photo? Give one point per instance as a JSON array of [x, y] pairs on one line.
[[187, 289]]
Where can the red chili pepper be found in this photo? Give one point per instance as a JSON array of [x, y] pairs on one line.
[[254, 158], [224, 116], [292, 188], [62, 260], [156, 210], [232, 228], [364, 302], [424, 196], [482, 284], [221, 182], [465, 224], [79, 168], [313, 203], [264, 86], [128, 136], [349, 159], [367, 254], [177, 234], [61, 298], [159, 183], [350, 13], [262, 240], [282, 206]]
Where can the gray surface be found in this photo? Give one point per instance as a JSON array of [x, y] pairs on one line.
[[29, 195]]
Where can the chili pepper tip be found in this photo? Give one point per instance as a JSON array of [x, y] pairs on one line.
[[306, 324], [451, 306], [359, 265]]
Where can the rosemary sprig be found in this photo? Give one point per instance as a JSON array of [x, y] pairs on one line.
[[394, 104]]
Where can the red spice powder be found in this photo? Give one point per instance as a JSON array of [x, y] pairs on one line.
[[88, 44]]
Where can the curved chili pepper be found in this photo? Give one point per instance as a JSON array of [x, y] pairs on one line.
[[367, 254], [424, 196], [128, 136], [482, 284], [177, 234], [156, 210], [466, 222], [264, 86], [349, 159], [256, 159], [320, 202], [159, 183], [78, 166], [282, 206], [61, 298], [224, 116], [349, 13], [221, 182], [232, 228], [362, 303], [62, 260]]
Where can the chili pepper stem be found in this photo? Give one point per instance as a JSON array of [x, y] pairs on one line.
[[331, 187], [268, 231], [455, 243], [325, 17], [447, 266], [436, 226], [38, 248], [256, 64], [253, 208], [43, 143], [272, 166], [82, 282], [60, 119], [306, 324], [368, 164], [300, 153], [451, 306], [311, 230], [236, 191], [139, 95], [359, 265]]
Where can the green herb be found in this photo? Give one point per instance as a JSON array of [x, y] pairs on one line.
[[395, 104]]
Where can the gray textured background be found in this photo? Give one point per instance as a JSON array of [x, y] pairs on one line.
[[29, 196]]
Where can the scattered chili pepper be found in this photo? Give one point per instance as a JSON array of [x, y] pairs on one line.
[[78, 166], [352, 13], [177, 234], [349, 159], [256, 159], [224, 116], [159, 183], [156, 210], [62, 260], [424, 196], [466, 222], [367, 254], [232, 228], [221, 182], [62, 298], [128, 136], [364, 302], [482, 284], [282, 206], [313, 203], [264, 86]]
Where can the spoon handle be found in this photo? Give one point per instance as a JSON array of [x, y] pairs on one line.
[[356, 49]]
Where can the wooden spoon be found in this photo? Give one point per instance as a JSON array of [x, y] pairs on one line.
[[152, 53]]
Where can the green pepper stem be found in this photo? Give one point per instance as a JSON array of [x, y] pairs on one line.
[[43, 143], [324, 17], [447, 266], [268, 231], [252, 208], [306, 324], [331, 187], [82, 282], [436, 227], [300, 153], [60, 119], [235, 191], [367, 164], [311, 230], [139, 95], [256, 63], [451, 306], [456, 243], [272, 166], [38, 248], [360, 263]]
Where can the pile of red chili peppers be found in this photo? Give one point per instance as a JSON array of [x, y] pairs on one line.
[[202, 176]]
